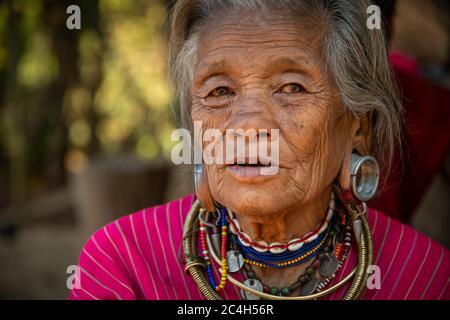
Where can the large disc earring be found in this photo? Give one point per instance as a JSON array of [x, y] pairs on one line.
[[198, 171], [202, 188], [365, 176]]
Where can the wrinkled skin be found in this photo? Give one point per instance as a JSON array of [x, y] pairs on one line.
[[264, 71]]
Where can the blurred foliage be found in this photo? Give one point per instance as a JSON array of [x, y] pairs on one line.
[[68, 96]]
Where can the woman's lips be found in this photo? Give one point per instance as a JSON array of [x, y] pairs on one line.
[[249, 173], [246, 170]]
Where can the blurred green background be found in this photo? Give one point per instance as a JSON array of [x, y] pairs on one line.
[[85, 123], [70, 95]]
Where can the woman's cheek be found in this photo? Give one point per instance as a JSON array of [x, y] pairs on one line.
[[210, 117], [301, 137]]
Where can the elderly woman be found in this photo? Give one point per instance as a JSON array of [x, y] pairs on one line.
[[316, 73]]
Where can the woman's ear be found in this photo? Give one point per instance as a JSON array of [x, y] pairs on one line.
[[362, 137], [204, 193], [359, 139], [344, 172]]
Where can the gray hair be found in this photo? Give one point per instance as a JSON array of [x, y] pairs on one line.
[[354, 56]]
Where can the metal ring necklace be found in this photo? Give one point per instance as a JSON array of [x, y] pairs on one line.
[[359, 273]]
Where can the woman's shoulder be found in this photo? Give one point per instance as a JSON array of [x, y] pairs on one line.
[[165, 220], [411, 265], [135, 253]]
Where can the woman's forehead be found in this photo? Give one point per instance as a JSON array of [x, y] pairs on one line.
[[277, 42], [256, 32]]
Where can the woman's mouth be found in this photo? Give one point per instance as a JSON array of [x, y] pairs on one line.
[[247, 172]]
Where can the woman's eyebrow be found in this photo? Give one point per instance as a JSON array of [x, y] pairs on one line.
[[212, 68], [288, 64], [208, 70]]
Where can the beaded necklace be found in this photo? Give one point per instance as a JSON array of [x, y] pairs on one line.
[[278, 247], [224, 268], [326, 264], [281, 261], [310, 246], [239, 254], [355, 213]]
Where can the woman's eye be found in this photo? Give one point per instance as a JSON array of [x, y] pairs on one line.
[[220, 91], [292, 88]]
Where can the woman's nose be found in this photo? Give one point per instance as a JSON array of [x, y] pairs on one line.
[[254, 115], [253, 131]]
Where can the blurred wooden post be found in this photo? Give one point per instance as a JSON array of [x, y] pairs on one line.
[[109, 189]]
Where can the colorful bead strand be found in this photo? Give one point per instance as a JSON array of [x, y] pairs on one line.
[[206, 253], [287, 259], [224, 234], [281, 265]]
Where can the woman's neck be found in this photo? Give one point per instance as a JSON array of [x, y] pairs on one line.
[[282, 227], [287, 225]]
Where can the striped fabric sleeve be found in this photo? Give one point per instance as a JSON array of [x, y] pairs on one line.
[[411, 265], [138, 257], [102, 274]]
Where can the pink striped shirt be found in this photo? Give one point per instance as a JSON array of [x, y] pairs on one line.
[[139, 257]]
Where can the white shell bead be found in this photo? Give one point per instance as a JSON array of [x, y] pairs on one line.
[[230, 213], [324, 227], [314, 237], [244, 239], [294, 246], [330, 214], [332, 204], [263, 244], [306, 236], [236, 229], [278, 249]]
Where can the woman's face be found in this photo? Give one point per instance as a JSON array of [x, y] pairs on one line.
[[258, 72]]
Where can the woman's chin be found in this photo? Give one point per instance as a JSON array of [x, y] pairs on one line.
[[252, 198]]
